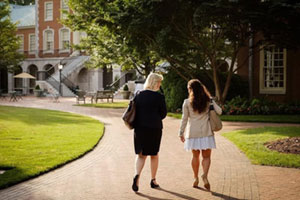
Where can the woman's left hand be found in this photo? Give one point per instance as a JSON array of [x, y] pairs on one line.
[[182, 138]]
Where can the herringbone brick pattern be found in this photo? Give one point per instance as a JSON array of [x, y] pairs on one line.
[[107, 171]]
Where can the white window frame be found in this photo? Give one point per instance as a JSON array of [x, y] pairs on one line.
[[270, 90], [45, 41], [62, 2], [61, 50], [48, 18], [21, 46], [31, 51]]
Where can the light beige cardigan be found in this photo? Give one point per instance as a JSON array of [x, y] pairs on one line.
[[198, 124]]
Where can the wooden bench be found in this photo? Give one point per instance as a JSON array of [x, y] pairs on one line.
[[105, 94], [80, 96]]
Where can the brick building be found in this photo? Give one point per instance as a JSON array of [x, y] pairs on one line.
[[46, 44], [272, 72]]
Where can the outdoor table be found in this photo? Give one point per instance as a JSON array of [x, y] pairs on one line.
[[19, 94], [13, 96]]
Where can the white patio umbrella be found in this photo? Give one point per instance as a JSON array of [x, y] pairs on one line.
[[24, 75]]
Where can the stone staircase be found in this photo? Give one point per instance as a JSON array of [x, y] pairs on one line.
[[71, 65]]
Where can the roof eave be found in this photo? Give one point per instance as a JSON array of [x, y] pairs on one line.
[[26, 27]]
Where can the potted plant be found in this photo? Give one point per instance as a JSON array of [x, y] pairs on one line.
[[37, 91], [126, 92]]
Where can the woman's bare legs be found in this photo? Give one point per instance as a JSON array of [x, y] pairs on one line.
[[196, 162], [139, 164], [206, 161], [195, 166], [154, 166], [205, 165]]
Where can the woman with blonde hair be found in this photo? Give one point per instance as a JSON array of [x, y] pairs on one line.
[[199, 135], [150, 111]]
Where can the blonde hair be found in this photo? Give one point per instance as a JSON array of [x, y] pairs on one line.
[[152, 80]]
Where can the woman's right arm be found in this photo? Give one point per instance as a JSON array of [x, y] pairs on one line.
[[184, 119], [217, 108], [163, 108]]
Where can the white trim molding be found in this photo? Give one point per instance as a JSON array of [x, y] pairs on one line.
[[50, 17], [37, 46], [272, 70], [31, 51], [21, 46], [63, 6], [45, 50], [62, 48]]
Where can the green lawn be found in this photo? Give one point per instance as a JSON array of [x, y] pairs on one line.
[[107, 105], [251, 142], [34, 141], [254, 118]]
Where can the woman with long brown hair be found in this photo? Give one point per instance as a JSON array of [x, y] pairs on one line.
[[199, 137]]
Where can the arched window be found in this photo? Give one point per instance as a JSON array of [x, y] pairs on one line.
[[64, 39], [48, 40], [32, 69]]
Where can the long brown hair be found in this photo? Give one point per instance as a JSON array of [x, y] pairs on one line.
[[198, 95]]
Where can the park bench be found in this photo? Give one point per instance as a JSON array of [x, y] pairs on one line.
[[104, 94], [81, 95]]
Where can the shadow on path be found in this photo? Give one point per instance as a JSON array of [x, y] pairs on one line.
[[182, 196]]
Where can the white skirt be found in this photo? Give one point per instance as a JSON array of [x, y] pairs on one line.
[[200, 143]]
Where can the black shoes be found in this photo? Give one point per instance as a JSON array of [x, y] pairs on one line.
[[134, 185], [136, 188], [153, 185]]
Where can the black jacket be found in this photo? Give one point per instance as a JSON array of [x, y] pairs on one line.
[[150, 109]]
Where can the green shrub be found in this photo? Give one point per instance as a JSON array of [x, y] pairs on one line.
[[125, 88], [37, 87], [175, 87], [261, 106], [175, 90], [238, 86]]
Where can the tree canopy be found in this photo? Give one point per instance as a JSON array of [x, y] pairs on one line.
[[9, 43], [105, 43], [22, 2], [190, 34]]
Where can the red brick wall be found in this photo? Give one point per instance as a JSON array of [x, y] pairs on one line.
[[292, 75], [25, 33], [54, 24]]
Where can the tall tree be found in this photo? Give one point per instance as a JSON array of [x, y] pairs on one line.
[[104, 42], [195, 34], [9, 43], [187, 34]]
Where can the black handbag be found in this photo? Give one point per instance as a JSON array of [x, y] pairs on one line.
[[129, 114]]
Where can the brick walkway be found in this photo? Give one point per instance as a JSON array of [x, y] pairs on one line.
[[107, 171]]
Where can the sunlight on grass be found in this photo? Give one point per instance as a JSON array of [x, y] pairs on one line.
[[251, 142], [34, 141]]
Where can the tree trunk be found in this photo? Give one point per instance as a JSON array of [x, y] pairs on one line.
[[216, 81], [226, 87]]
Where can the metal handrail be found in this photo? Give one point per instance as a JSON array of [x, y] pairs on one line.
[[68, 83], [61, 61], [116, 81], [52, 81]]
